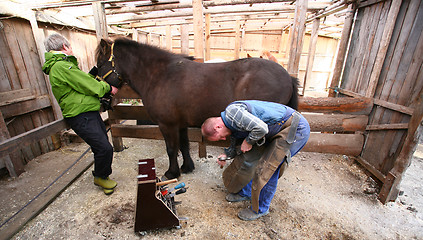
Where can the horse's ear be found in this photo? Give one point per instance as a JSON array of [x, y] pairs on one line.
[[103, 43]]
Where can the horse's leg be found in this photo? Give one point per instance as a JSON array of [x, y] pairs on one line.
[[188, 165], [171, 136]]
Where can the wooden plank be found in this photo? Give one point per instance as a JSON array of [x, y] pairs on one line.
[[149, 132], [413, 32], [390, 126], [383, 47], [12, 162], [207, 32], [359, 48], [184, 39], [34, 135], [38, 204], [15, 96], [169, 37], [237, 39], [361, 106], [380, 24], [16, 57], [382, 103], [369, 45], [371, 169], [25, 107], [25, 50], [311, 51], [390, 189], [348, 144]]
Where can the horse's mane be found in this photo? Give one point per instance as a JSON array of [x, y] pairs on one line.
[[148, 51]]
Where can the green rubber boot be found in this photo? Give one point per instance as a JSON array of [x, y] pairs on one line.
[[105, 183], [108, 191]]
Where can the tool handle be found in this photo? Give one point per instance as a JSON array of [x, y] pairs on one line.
[[181, 185], [167, 182], [182, 190]]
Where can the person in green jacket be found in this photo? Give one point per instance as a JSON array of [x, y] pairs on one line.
[[78, 94]]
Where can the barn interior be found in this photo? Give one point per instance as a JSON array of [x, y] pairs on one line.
[[358, 64]]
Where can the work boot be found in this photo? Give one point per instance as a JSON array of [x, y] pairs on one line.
[[235, 197], [108, 191], [249, 215], [105, 183]]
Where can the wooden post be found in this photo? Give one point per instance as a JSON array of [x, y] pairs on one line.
[[207, 32], [169, 37], [296, 42], [342, 50], [184, 39], [383, 47], [197, 7], [100, 20], [39, 40], [135, 34], [311, 51], [389, 191], [237, 39], [13, 164]]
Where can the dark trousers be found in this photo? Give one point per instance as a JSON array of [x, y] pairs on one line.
[[90, 127]]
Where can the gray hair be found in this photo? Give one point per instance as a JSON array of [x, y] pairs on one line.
[[55, 42]]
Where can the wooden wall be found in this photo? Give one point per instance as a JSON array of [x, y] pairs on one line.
[[25, 103], [399, 85], [254, 43]]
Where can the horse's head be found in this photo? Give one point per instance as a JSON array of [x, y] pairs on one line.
[[106, 63]]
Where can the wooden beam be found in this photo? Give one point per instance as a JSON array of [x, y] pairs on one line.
[[336, 122], [198, 22], [184, 39], [311, 51], [343, 44], [237, 39], [100, 20], [346, 144], [390, 126], [239, 9], [296, 43], [10, 145], [379, 102], [383, 46], [172, 5], [360, 106], [207, 54]]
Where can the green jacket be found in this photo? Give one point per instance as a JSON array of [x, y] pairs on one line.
[[75, 91]]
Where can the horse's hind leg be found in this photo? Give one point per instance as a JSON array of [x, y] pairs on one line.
[[188, 165], [171, 136]]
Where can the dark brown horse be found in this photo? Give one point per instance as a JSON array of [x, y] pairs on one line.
[[179, 93]]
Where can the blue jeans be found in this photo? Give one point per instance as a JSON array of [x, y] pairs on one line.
[[268, 191]]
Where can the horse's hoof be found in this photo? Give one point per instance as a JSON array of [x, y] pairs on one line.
[[170, 175], [185, 169]]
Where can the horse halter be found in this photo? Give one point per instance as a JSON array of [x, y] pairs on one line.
[[112, 70]]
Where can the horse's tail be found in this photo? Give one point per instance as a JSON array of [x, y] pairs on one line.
[[293, 102]]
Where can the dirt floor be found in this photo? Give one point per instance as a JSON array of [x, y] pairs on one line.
[[321, 196]]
